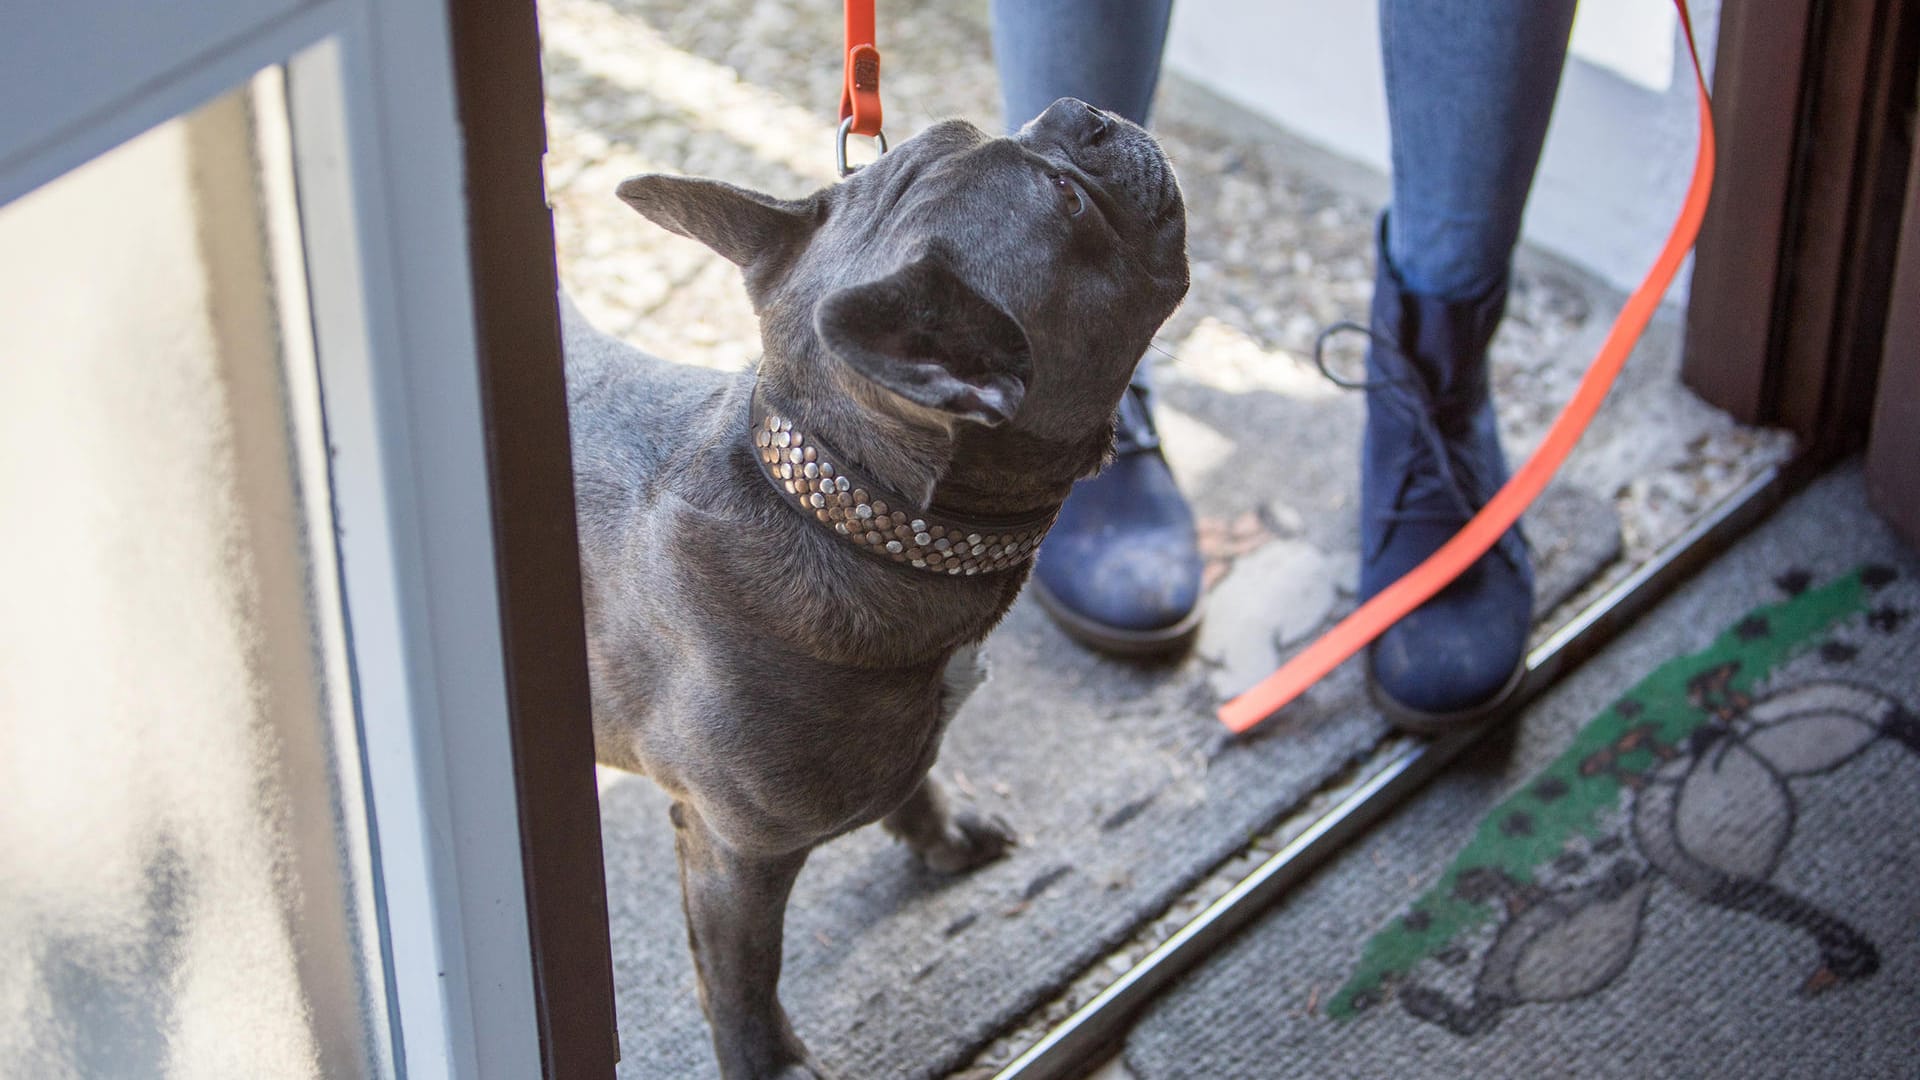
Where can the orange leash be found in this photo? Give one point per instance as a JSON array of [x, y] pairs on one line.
[[859, 84], [1479, 535], [860, 89]]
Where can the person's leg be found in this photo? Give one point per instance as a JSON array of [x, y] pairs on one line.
[[1104, 52], [1470, 87], [1120, 570]]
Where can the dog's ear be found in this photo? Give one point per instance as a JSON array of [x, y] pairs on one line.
[[927, 336], [745, 226]]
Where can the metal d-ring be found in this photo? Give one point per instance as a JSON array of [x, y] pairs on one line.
[[840, 147]]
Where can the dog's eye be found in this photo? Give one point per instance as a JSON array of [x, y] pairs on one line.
[[1069, 197]]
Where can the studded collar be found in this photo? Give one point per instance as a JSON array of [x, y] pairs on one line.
[[819, 484]]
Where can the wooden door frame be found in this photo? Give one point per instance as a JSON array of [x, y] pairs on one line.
[[1793, 276], [496, 54], [1893, 452]]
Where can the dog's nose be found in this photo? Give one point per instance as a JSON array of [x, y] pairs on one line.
[[1100, 124], [1076, 121]]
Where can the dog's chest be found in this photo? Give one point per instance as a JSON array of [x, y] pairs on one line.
[[798, 756]]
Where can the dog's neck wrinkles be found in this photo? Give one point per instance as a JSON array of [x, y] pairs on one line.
[[998, 471], [830, 488]]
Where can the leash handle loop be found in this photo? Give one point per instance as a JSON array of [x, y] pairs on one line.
[[1372, 618]]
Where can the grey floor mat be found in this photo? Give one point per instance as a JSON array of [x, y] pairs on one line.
[[1124, 790], [1529, 916], [1121, 793]]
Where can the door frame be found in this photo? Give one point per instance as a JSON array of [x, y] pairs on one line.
[[523, 394], [1793, 279], [1893, 449], [436, 331]]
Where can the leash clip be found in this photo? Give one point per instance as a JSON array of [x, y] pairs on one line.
[[840, 147], [859, 84]]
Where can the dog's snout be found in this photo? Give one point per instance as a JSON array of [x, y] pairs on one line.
[[1098, 124], [1076, 122]]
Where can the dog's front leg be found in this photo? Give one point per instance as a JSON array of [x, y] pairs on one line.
[[736, 908], [946, 840]]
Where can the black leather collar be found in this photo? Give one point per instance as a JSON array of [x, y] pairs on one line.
[[818, 483]]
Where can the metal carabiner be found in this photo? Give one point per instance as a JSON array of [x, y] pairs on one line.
[[840, 147]]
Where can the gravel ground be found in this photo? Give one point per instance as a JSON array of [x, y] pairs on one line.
[[1280, 239], [1280, 232]]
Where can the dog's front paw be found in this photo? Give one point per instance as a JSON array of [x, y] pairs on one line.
[[801, 1071], [969, 840]]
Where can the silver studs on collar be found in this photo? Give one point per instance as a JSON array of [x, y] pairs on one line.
[[864, 514]]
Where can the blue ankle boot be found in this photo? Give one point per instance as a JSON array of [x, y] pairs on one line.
[[1120, 571], [1430, 459]]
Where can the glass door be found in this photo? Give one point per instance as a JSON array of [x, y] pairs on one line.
[[257, 716]]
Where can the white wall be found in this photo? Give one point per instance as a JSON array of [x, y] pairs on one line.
[[1618, 154]]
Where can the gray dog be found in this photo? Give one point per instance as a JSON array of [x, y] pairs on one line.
[[788, 570]]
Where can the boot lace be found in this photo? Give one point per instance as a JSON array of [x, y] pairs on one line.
[[1439, 466]]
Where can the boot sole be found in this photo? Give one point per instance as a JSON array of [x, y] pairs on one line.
[[1116, 640], [1419, 722]]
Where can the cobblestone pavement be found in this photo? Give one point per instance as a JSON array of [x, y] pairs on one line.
[[1280, 239]]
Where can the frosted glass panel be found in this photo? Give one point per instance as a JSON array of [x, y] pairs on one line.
[[183, 882]]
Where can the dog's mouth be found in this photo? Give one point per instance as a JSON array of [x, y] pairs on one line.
[[1153, 188]]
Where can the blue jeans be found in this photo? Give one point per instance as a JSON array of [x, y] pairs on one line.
[[1470, 86]]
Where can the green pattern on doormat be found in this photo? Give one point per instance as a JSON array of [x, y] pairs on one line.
[[1568, 798]]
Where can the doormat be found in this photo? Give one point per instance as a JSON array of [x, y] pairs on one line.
[[1123, 789], [1713, 875]]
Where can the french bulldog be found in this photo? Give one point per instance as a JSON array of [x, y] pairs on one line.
[[788, 570]]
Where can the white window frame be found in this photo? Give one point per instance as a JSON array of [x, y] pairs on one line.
[[377, 158]]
